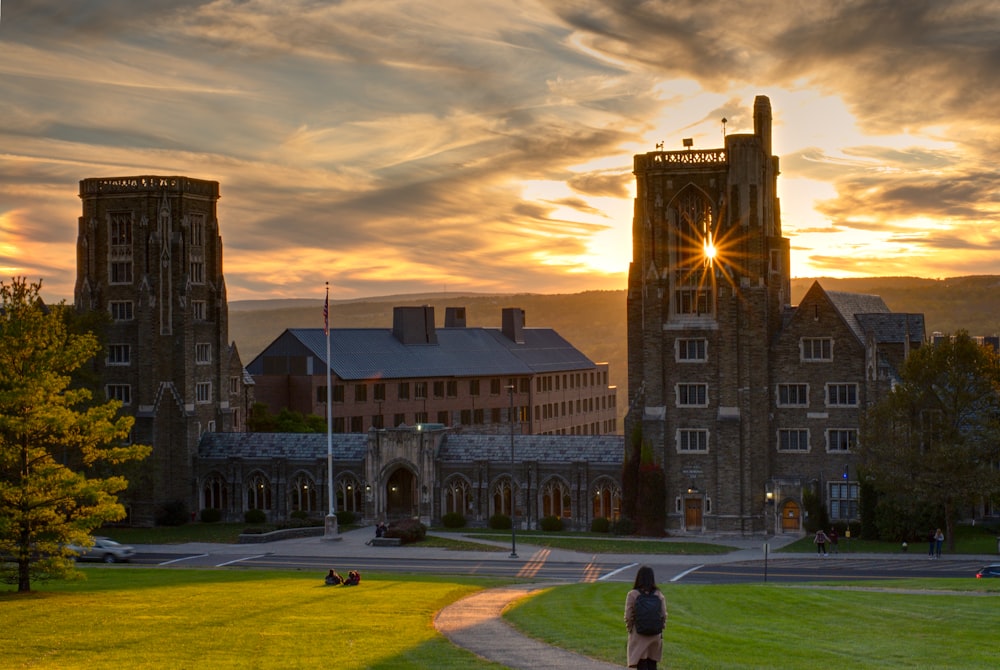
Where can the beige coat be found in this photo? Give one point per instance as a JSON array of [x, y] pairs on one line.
[[642, 646]]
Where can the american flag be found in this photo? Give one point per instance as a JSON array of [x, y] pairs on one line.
[[326, 313]]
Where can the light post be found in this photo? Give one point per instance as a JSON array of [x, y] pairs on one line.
[[513, 507]]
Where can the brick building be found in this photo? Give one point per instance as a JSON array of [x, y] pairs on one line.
[[748, 402], [457, 376], [149, 255]]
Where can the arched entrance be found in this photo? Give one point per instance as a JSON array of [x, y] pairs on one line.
[[791, 517], [401, 495]]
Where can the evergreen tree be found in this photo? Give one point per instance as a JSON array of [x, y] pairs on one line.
[[53, 439]]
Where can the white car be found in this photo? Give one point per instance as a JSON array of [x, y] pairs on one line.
[[104, 549]]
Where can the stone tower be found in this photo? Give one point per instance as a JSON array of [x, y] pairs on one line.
[[708, 284], [149, 255]]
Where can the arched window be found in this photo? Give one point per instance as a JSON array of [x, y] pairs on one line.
[[349, 494], [556, 500], [501, 497], [458, 497], [258, 492], [607, 500], [303, 494], [215, 492]]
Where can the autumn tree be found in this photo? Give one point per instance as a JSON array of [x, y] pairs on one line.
[[53, 439], [932, 445]]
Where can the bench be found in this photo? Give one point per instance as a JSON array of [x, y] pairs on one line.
[[386, 541]]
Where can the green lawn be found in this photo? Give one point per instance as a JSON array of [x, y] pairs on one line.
[[783, 626]]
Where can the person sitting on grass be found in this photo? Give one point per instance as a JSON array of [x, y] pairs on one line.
[[333, 579], [353, 578]]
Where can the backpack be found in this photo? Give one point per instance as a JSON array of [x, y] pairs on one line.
[[648, 614]]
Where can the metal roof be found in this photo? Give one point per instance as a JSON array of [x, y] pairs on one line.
[[372, 353]]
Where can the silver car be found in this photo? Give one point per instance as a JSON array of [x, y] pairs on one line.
[[104, 549]]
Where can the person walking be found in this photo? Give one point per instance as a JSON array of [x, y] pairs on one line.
[[938, 542], [645, 648], [820, 541], [832, 536]]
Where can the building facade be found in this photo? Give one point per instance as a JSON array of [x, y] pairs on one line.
[[749, 403], [149, 255], [469, 378]]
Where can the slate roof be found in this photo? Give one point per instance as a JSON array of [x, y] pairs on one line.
[[455, 447], [893, 328], [851, 304], [371, 353]]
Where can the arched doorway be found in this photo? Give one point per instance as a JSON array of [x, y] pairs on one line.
[[401, 495], [791, 517]]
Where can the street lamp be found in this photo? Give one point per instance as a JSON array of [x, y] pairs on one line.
[[513, 508]]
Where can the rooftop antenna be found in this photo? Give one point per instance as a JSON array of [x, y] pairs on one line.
[[723, 127], [659, 146]]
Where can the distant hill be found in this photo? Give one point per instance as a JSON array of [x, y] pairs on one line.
[[594, 321]]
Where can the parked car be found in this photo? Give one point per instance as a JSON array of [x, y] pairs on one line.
[[104, 549], [992, 570]]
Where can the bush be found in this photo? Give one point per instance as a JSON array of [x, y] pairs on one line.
[[211, 515], [500, 522], [453, 520], [345, 517], [623, 527], [550, 523], [600, 525], [173, 513], [254, 516], [407, 530], [300, 514]]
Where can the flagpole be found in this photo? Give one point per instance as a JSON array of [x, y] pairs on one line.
[[330, 528]]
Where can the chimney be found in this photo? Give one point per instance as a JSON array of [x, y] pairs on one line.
[[513, 324], [454, 317], [414, 325]]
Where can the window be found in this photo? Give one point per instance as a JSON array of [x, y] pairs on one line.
[[197, 272], [842, 395], [197, 230], [203, 352], [203, 392], [793, 395], [439, 389], [198, 310], [692, 301], [793, 439], [120, 392], [321, 394], [121, 272], [692, 395], [692, 350], [494, 387], [442, 417], [120, 229], [841, 439], [843, 500], [338, 393], [404, 390], [453, 388], [378, 421], [234, 385], [361, 393], [119, 354], [817, 349], [419, 390], [357, 424], [379, 392], [398, 419], [120, 251], [121, 310], [474, 387], [525, 385], [692, 440]]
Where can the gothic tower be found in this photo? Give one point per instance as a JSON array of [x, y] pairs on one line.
[[149, 255], [708, 283]]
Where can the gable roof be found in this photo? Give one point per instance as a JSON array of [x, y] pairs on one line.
[[371, 353], [849, 305]]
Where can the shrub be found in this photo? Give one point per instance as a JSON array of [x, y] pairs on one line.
[[600, 525], [211, 515], [173, 513], [623, 527], [345, 517], [453, 520], [500, 522], [550, 523], [300, 514], [407, 530], [254, 516]]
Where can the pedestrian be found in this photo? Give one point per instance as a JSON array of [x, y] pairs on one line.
[[820, 541], [644, 649], [930, 544], [832, 536], [938, 542]]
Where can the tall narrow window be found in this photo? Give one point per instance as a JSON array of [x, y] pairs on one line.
[[119, 354], [120, 250]]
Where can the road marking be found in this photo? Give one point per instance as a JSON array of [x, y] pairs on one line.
[[686, 573], [245, 558], [615, 572], [178, 560]]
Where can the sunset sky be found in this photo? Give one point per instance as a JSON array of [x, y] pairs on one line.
[[405, 146]]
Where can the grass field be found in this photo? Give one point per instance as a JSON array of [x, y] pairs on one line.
[[128, 617]]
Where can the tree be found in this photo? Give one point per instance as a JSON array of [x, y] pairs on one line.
[[933, 443], [53, 439]]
